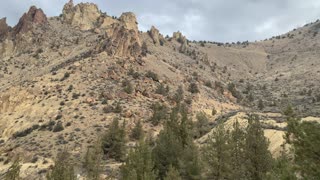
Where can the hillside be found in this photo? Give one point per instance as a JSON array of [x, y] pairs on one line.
[[62, 79]]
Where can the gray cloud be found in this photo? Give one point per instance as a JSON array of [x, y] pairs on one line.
[[215, 20]]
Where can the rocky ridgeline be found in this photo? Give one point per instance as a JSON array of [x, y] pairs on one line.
[[33, 17], [121, 36], [17, 39]]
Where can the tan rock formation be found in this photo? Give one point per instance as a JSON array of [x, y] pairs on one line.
[[182, 40], [156, 36], [129, 20], [121, 42], [4, 28], [107, 21], [84, 15], [6, 48]]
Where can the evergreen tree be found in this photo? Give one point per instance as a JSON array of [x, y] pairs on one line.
[[175, 147], [260, 104], [179, 95], [304, 138], [139, 164], [217, 154], [159, 113], [93, 161], [63, 168], [166, 152], [258, 158], [237, 143], [114, 141], [202, 125], [282, 168], [13, 171], [172, 174], [137, 131]]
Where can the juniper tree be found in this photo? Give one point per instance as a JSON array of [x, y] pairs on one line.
[[173, 174], [179, 95], [258, 159], [201, 125], [63, 168], [137, 132], [114, 141], [139, 164], [237, 143], [93, 161], [217, 154], [13, 171], [304, 138], [175, 147]]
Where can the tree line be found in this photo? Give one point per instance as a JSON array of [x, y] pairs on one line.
[[233, 153]]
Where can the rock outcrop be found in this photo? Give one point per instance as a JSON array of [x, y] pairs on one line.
[[34, 16], [156, 36], [122, 42], [106, 21], [4, 28], [182, 40], [129, 20], [83, 16]]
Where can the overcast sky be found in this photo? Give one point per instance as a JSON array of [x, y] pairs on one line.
[[215, 20]]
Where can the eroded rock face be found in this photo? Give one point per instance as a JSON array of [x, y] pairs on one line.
[[129, 20], [122, 42], [156, 36], [106, 21], [34, 16], [4, 28], [83, 15], [182, 40]]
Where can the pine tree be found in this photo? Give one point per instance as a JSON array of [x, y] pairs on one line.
[[202, 124], [13, 171], [167, 151], [237, 143], [137, 132], [175, 147], [114, 141], [173, 174], [304, 138], [93, 161], [260, 104], [139, 164], [282, 168], [217, 154], [179, 95], [258, 158], [63, 168]]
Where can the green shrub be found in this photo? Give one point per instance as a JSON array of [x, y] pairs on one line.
[[152, 76], [63, 168], [58, 127], [193, 88], [137, 132], [159, 113], [161, 89]]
